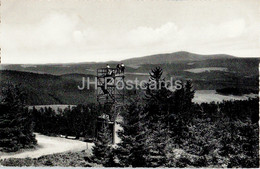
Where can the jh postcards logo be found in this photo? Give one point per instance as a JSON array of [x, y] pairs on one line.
[[150, 84]]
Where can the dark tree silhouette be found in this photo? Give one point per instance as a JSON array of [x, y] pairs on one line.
[[102, 150], [131, 149], [15, 120]]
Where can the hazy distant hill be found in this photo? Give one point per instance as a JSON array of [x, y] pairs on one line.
[[131, 64], [173, 57]]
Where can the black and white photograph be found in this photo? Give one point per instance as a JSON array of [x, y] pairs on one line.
[[129, 83]]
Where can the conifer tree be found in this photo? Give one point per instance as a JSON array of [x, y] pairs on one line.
[[102, 150], [181, 111], [187, 112], [158, 102], [15, 120], [189, 93], [131, 149], [157, 96], [157, 144]]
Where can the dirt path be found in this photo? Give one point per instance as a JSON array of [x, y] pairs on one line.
[[49, 145]]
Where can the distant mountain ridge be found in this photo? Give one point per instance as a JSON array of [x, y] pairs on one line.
[[181, 56], [132, 64], [58, 84], [174, 57]]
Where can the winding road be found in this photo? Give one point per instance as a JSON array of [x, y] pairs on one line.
[[49, 145]]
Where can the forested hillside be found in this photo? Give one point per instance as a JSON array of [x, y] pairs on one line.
[[45, 89], [160, 128], [59, 85]]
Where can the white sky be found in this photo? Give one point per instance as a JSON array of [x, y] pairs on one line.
[[60, 31]]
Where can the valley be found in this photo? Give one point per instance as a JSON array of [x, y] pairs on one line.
[[57, 83]]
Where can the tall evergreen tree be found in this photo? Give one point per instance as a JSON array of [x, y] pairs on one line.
[[189, 93], [158, 144], [188, 111], [181, 111], [157, 96], [15, 120], [158, 102], [131, 149], [102, 150]]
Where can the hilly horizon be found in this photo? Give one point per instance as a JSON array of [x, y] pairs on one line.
[[140, 65], [57, 84], [152, 59], [174, 57]]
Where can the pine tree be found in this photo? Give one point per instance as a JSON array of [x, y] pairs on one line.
[[188, 105], [157, 144], [189, 92], [15, 120], [102, 150], [181, 111], [158, 102], [131, 149], [157, 96]]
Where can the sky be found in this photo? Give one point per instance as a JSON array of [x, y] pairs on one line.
[[65, 31]]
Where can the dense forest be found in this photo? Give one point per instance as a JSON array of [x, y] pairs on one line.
[[79, 121], [16, 124], [211, 134], [155, 125]]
